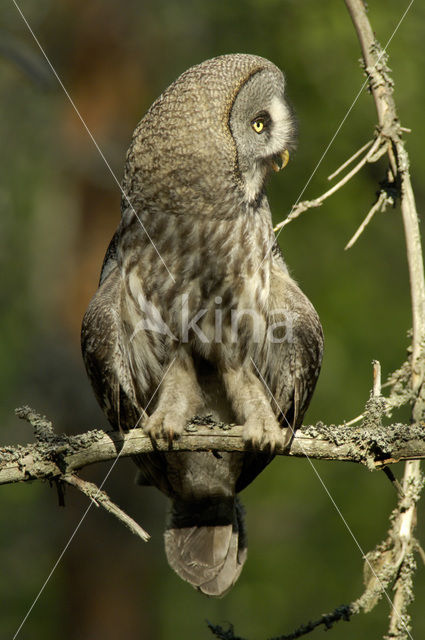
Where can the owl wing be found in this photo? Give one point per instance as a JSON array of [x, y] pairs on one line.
[[104, 354], [108, 365], [289, 360], [294, 348]]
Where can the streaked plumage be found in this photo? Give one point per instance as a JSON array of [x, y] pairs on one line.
[[196, 241]]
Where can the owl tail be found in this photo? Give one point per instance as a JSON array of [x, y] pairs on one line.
[[205, 543]]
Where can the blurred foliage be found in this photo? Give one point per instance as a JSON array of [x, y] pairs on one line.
[[60, 206]]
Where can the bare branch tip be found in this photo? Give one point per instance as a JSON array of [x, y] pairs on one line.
[[99, 498], [376, 378], [43, 428]]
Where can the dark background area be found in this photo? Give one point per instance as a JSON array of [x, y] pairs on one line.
[[59, 206]]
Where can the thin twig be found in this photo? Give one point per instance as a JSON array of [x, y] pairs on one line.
[[376, 378], [376, 392], [100, 498], [400, 395], [350, 160], [391, 477], [327, 620], [223, 634], [43, 428], [421, 552], [377, 150], [355, 420], [378, 206]]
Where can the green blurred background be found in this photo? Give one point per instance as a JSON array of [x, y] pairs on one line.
[[59, 207]]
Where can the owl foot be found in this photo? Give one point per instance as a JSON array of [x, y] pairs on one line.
[[180, 398], [164, 424], [263, 432]]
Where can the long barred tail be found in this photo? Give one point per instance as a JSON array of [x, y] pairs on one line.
[[205, 543]]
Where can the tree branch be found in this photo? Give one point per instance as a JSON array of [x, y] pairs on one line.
[[381, 86], [380, 205], [404, 517], [377, 150], [351, 159], [100, 499], [343, 612], [55, 455]]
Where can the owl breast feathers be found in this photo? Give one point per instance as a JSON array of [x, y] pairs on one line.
[[195, 312]]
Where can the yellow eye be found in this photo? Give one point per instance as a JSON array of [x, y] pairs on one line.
[[258, 126]]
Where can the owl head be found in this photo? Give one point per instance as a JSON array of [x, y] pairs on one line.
[[208, 143]]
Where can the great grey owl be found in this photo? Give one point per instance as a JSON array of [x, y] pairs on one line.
[[195, 312]]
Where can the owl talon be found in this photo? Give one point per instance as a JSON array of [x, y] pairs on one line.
[[162, 424], [263, 433]]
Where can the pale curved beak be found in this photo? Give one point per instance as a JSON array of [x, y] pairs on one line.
[[280, 160]]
